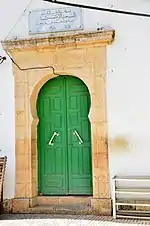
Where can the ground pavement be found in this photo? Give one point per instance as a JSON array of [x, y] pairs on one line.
[[64, 220]]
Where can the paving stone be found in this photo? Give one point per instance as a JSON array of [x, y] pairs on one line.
[[65, 220]]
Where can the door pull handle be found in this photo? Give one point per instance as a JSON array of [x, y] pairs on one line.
[[52, 138], [78, 136]]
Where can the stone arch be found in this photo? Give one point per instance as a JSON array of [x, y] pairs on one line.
[[34, 122], [38, 87], [40, 84], [35, 92]]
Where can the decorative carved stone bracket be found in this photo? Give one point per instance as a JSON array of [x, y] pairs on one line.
[[76, 39]]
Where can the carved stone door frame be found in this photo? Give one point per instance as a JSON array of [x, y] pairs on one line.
[[82, 55]]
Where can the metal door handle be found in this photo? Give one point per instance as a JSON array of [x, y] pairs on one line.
[[51, 140], [80, 140]]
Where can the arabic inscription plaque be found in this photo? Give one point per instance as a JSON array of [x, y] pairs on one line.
[[55, 20]]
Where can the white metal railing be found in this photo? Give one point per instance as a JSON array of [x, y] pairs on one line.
[[139, 192]]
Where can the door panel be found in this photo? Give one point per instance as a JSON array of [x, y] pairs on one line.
[[52, 165], [79, 155]]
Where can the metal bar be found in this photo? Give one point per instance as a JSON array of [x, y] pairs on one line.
[[133, 211], [134, 217], [131, 204], [114, 198], [133, 192], [131, 179]]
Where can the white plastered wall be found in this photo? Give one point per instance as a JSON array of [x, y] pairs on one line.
[[128, 84]]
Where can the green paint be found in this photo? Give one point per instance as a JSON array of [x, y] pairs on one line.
[[64, 168]]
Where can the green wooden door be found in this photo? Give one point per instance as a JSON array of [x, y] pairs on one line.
[[64, 139]]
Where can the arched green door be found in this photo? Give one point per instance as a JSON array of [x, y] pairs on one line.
[[64, 138]]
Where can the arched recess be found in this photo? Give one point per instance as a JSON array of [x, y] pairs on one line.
[[62, 107], [35, 120], [99, 144]]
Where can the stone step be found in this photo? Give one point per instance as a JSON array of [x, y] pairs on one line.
[[67, 200], [74, 209]]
